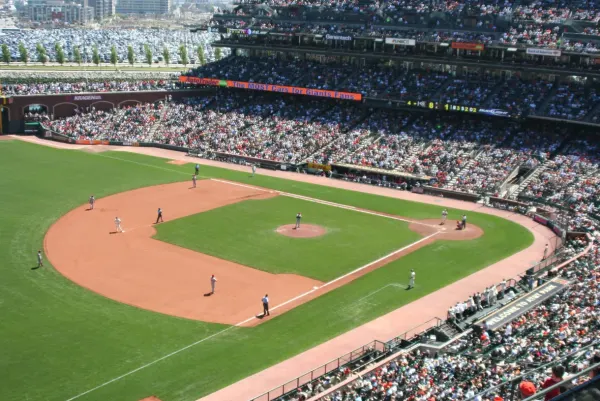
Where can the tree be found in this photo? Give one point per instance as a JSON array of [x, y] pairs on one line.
[[95, 55], [201, 59], [77, 55], [113, 56], [148, 53], [183, 56], [218, 54], [130, 55], [23, 54], [60, 53], [166, 55], [5, 54], [41, 52]]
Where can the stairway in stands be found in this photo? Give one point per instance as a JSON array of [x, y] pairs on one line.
[[513, 192], [158, 122]]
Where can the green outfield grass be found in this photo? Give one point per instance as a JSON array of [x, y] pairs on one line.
[[59, 340], [245, 233]]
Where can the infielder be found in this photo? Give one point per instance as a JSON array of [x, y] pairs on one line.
[[194, 181], [411, 280], [159, 216], [298, 218], [253, 169], [118, 225], [40, 259], [265, 302], [464, 221], [444, 216], [213, 283], [197, 168], [92, 201]]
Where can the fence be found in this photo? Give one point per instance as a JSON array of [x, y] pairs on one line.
[[331, 366], [415, 331]]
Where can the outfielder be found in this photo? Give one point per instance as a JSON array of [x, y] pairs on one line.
[[253, 169], [40, 259], [298, 218], [118, 225], [411, 280], [159, 216], [444, 216], [194, 181], [92, 201], [213, 283]]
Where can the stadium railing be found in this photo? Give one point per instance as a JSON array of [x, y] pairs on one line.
[[322, 370]]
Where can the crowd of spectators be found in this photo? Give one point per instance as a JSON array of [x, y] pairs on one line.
[[473, 155], [570, 100], [104, 39], [20, 89], [549, 343], [572, 179]]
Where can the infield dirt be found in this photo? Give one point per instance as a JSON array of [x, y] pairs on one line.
[[135, 269]]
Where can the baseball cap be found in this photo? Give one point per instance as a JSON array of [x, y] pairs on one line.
[[527, 388]]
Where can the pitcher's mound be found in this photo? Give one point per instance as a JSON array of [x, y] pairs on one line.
[[305, 231]]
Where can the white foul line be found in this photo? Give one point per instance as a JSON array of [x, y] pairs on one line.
[[253, 317], [280, 305], [323, 202]]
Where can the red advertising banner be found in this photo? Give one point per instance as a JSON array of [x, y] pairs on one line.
[[292, 90], [468, 46], [91, 142]]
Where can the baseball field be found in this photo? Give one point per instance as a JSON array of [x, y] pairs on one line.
[[126, 316]]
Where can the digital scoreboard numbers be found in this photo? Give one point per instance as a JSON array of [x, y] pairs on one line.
[[424, 104], [463, 109]]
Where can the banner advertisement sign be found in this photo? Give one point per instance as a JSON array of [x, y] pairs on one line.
[[338, 37], [317, 166], [539, 219], [403, 42], [293, 90], [127, 143], [543, 52], [528, 302], [495, 112], [468, 46], [91, 142], [84, 97]]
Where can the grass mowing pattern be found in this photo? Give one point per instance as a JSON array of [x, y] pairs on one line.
[[245, 233], [59, 340]]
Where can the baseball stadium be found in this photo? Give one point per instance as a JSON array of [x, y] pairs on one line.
[[332, 202]]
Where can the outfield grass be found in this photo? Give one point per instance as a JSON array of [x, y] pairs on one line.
[[245, 233], [59, 340]]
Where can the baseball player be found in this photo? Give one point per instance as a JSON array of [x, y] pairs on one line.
[[197, 168], [411, 280], [545, 252], [253, 169], [159, 216], [265, 302], [298, 218], [40, 259], [92, 201], [444, 216], [118, 225], [194, 181], [213, 283], [464, 221]]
